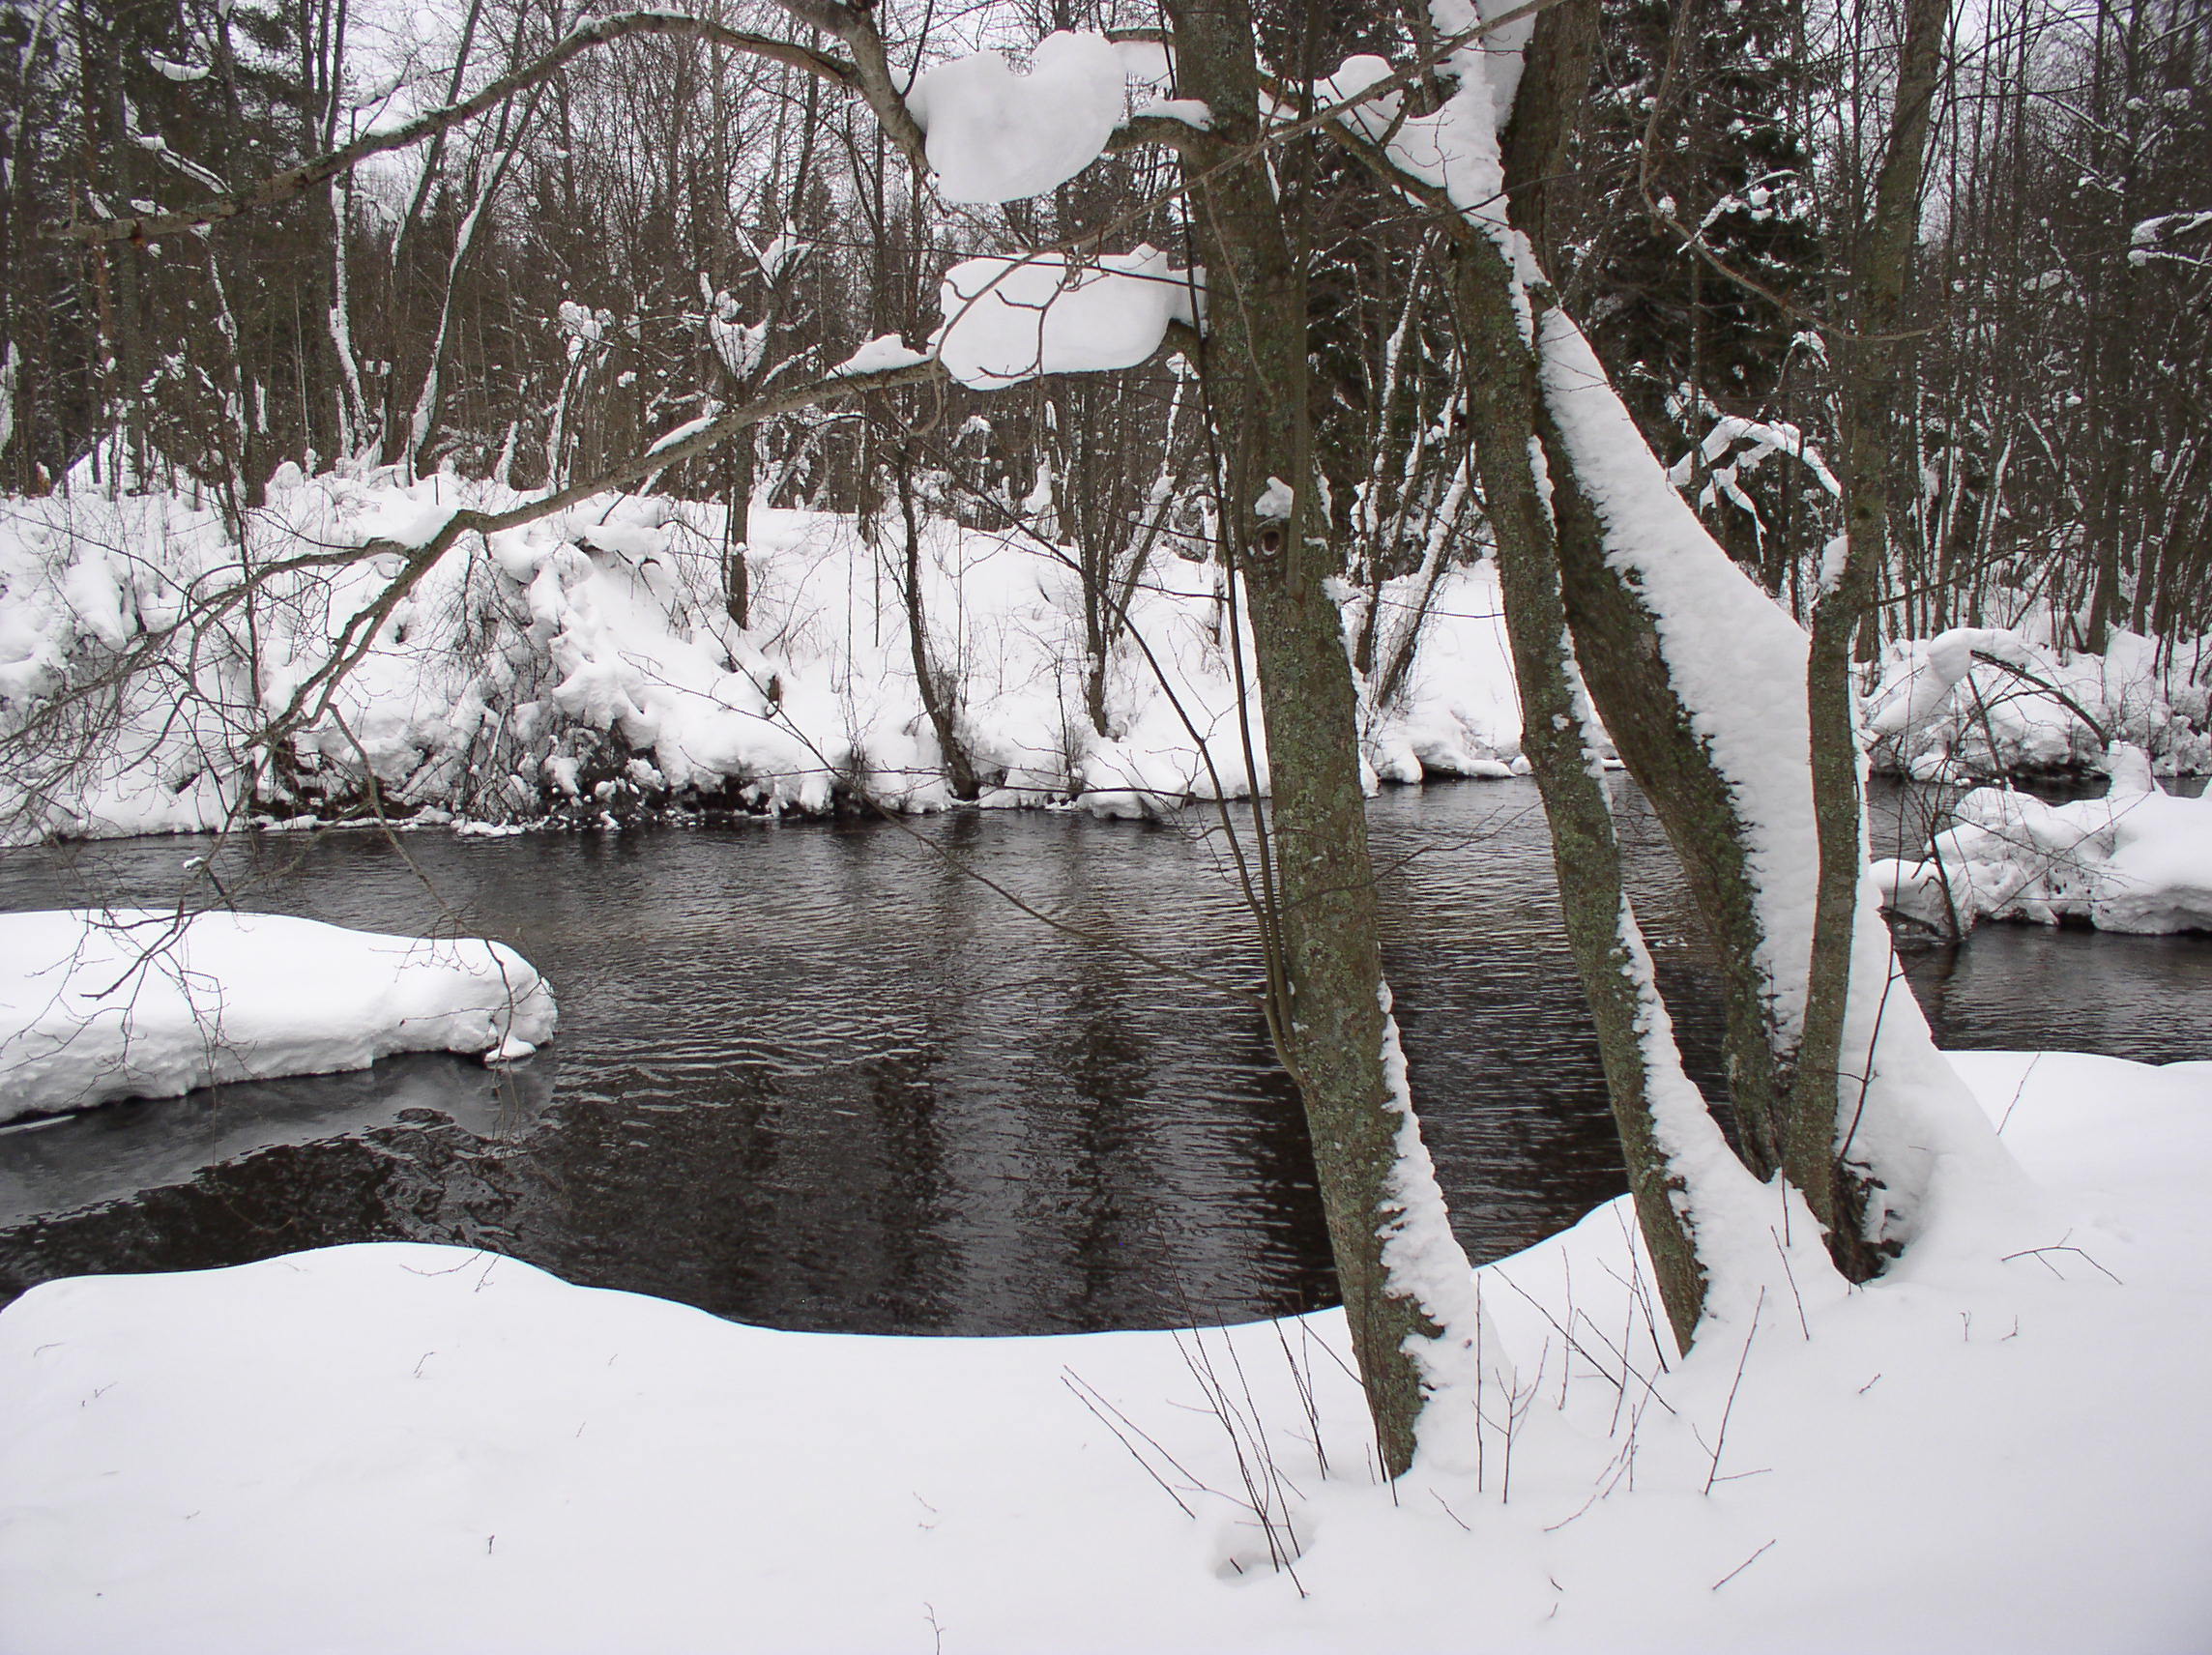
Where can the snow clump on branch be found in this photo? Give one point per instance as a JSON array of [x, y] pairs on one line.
[[995, 135], [1012, 319]]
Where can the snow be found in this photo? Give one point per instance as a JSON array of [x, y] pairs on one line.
[[1191, 111], [1012, 319], [2138, 860], [1423, 1261], [1454, 149], [105, 1003], [405, 520], [1994, 701], [995, 135], [398, 1446], [1460, 715], [1275, 503], [524, 676], [685, 432], [741, 346], [887, 351], [181, 73], [1149, 62], [1736, 446]]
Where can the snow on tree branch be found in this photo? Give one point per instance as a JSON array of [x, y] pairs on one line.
[[1010, 320], [995, 135]]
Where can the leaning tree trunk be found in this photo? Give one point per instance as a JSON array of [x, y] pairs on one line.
[[1617, 642], [1557, 742], [1332, 1029]]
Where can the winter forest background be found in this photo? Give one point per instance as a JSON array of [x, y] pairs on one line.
[[668, 224], [504, 415]]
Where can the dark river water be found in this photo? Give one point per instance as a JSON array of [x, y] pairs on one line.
[[813, 1075]]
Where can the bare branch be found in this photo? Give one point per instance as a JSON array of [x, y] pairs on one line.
[[870, 68], [295, 181]]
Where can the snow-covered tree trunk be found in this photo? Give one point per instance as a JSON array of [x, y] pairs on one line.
[[1701, 679], [1558, 741], [423, 422], [1333, 1027], [352, 405], [1703, 684]]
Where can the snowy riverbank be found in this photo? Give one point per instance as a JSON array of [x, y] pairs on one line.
[[103, 1003], [584, 669], [584, 666], [1984, 702], [397, 1446], [2138, 860]]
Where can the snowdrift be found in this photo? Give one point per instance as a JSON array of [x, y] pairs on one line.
[[584, 667], [1999, 1446], [2138, 859], [105, 1003]]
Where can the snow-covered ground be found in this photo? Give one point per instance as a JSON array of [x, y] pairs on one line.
[[584, 665], [103, 1003], [2138, 859], [1983, 702], [2000, 1446]]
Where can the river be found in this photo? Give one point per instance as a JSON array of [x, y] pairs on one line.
[[818, 1075]]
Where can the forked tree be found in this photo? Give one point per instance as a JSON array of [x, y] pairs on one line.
[[1616, 595]]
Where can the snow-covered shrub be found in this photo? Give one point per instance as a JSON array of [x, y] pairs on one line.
[[2138, 859]]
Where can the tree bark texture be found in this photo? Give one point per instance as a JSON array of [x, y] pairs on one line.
[[1557, 740], [1254, 368]]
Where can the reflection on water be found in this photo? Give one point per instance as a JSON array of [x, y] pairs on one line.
[[814, 1076], [106, 1154]]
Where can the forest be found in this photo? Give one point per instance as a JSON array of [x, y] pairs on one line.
[[1763, 443], [670, 222]]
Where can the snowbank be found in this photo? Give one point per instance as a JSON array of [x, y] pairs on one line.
[[1994, 701], [398, 1446], [102, 1003], [1460, 713], [2138, 859], [584, 667]]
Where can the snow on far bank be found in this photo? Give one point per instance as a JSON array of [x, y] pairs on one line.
[[105, 1003], [2002, 701], [2138, 859], [400, 1446], [584, 666]]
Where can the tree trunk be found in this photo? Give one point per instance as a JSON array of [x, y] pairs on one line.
[[940, 699], [1331, 1034], [1871, 357], [1557, 742], [1616, 641], [737, 529]]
